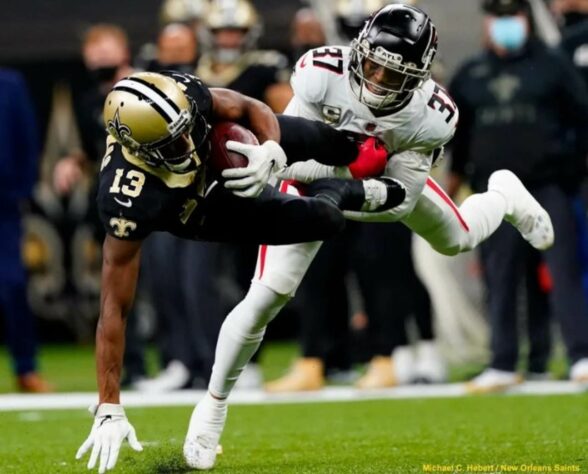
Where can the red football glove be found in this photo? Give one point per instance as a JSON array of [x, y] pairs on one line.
[[371, 159]]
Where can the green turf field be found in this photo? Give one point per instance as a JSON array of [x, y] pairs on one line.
[[491, 434], [394, 436], [71, 368]]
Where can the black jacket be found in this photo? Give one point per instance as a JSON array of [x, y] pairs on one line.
[[527, 113]]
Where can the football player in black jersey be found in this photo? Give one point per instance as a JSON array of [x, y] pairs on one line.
[[154, 177]]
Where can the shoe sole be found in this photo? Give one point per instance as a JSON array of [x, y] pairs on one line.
[[474, 389], [543, 228]]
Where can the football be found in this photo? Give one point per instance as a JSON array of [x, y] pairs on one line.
[[220, 158]]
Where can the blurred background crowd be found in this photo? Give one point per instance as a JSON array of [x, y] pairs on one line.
[[375, 297]]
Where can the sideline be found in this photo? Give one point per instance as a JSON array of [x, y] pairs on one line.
[[64, 401]]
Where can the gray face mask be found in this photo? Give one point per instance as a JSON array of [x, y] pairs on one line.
[[227, 55]]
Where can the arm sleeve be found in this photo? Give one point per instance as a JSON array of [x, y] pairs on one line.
[[304, 139]]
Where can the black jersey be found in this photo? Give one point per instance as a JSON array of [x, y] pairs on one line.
[[135, 199], [252, 75]]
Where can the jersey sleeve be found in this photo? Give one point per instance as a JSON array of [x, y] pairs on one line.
[[297, 107], [308, 81], [195, 89], [441, 118], [127, 208]]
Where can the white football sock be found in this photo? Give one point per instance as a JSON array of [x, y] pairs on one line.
[[240, 336], [208, 416], [483, 213]]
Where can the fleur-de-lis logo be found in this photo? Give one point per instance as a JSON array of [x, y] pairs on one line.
[[504, 87], [119, 130], [122, 226]]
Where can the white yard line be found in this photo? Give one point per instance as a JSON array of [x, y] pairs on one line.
[[12, 402]]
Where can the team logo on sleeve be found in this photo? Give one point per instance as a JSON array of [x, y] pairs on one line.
[[331, 115], [122, 226]]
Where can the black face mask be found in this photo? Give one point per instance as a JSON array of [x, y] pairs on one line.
[[156, 66], [573, 18], [104, 74]]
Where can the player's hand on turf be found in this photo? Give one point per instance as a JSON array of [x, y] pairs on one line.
[[263, 159], [371, 159], [110, 429]]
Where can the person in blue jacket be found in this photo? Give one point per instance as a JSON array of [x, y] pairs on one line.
[[19, 154]]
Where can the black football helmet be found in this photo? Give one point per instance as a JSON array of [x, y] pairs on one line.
[[392, 56]]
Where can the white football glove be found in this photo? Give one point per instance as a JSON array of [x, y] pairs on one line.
[[264, 160], [110, 429]]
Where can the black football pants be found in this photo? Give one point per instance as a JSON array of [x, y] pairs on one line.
[[273, 218]]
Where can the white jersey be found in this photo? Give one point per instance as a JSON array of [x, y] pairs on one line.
[[322, 91]]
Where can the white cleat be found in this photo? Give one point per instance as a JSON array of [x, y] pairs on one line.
[[523, 211], [174, 377], [206, 426], [430, 365], [200, 452], [404, 365], [579, 371]]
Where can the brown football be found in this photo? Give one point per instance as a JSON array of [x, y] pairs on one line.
[[220, 158]]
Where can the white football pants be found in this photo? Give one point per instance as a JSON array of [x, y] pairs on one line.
[[427, 211]]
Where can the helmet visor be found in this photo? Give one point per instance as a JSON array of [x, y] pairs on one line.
[[380, 80], [387, 71], [179, 150]]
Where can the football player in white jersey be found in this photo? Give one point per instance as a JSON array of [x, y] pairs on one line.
[[379, 87]]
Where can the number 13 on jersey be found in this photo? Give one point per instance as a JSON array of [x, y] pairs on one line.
[[133, 188]]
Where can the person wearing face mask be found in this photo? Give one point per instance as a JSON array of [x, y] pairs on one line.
[[177, 49], [524, 108], [106, 56]]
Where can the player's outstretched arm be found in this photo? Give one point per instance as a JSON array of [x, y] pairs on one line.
[[120, 269], [370, 158], [235, 107], [264, 159]]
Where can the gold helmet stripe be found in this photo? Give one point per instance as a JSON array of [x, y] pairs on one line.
[[157, 102]]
